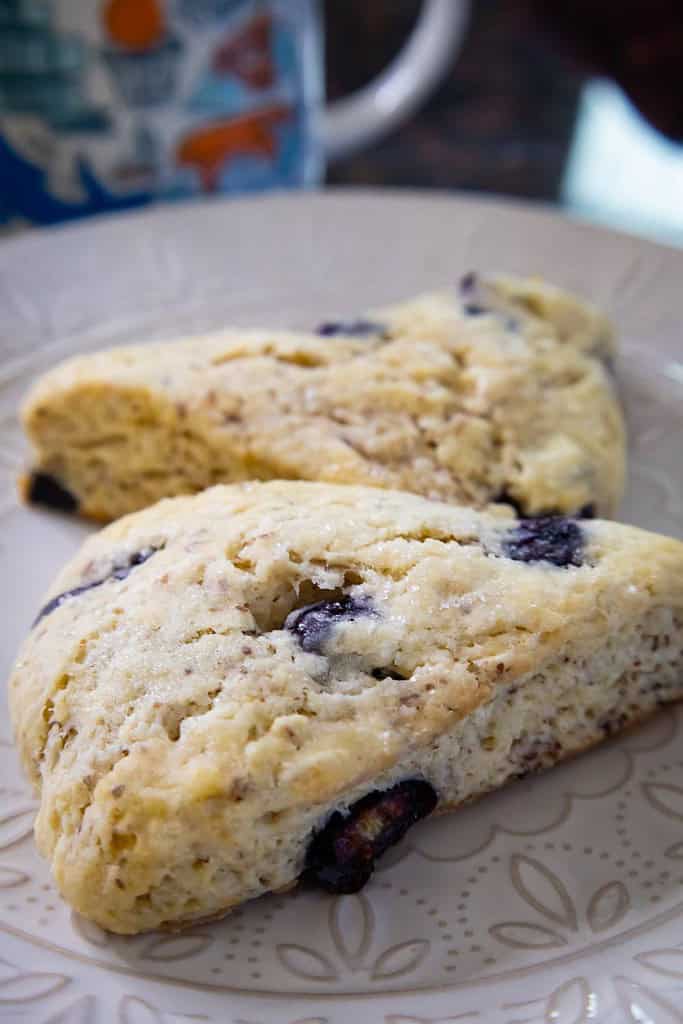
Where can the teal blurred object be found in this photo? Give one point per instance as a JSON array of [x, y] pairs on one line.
[[108, 104], [41, 71]]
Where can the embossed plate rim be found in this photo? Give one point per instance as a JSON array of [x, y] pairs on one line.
[[640, 281]]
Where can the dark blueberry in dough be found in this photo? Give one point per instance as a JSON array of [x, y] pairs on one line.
[[351, 329], [44, 489], [313, 624], [549, 539], [473, 296], [119, 572], [56, 601], [341, 857], [477, 300], [587, 512], [468, 283]]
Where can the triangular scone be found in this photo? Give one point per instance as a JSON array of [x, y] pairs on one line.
[[213, 682], [537, 309], [446, 401]]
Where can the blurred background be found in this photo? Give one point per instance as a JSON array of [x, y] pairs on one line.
[[519, 115], [106, 104]]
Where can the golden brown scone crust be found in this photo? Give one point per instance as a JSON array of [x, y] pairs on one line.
[[189, 732]]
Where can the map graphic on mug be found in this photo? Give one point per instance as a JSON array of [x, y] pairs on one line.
[[202, 11], [143, 56], [42, 70], [106, 104]]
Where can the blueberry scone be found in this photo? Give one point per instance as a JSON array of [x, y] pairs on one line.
[[224, 694], [497, 392], [535, 307]]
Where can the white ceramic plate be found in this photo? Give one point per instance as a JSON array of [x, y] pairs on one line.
[[558, 900]]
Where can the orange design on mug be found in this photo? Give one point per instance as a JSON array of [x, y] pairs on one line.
[[210, 147], [135, 24]]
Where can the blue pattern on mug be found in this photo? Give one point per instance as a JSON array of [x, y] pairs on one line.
[[106, 104]]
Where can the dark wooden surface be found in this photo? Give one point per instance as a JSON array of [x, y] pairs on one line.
[[501, 122]]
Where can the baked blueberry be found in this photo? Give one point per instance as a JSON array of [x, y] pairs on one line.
[[478, 300], [505, 498], [313, 624], [119, 572], [551, 539], [351, 329], [341, 857], [473, 296], [44, 489], [468, 283]]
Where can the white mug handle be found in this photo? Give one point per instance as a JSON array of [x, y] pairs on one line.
[[353, 122]]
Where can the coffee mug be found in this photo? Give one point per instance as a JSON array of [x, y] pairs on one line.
[[108, 104]]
